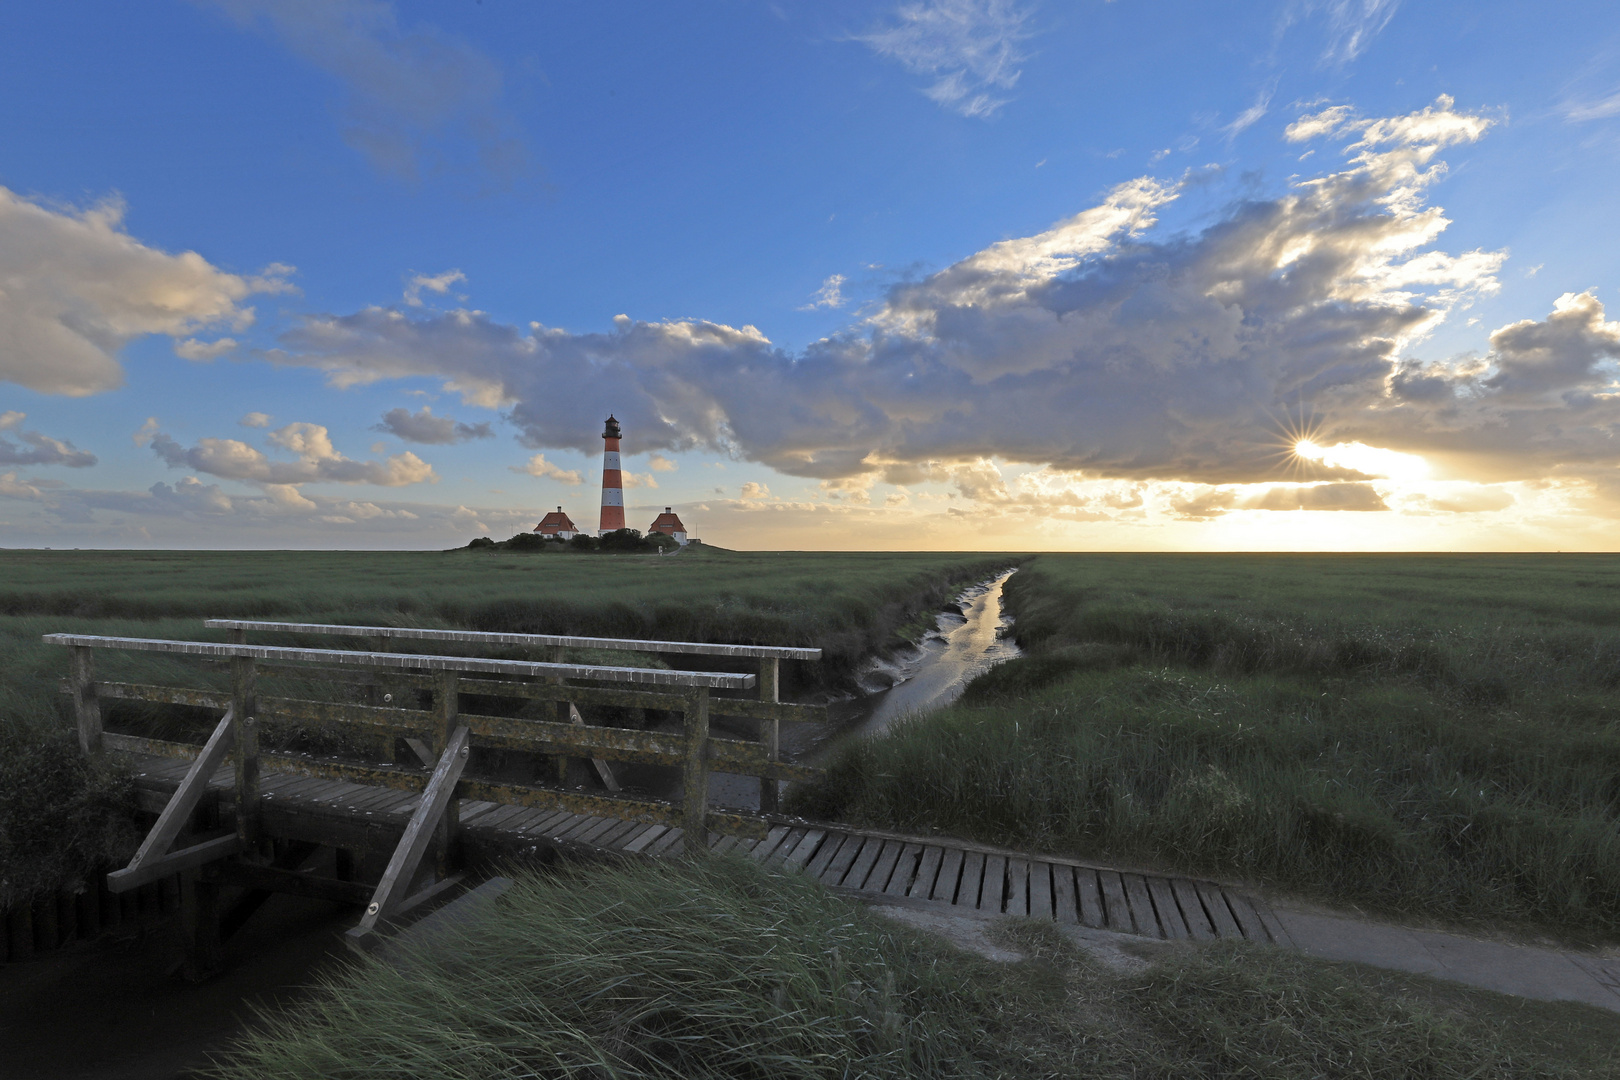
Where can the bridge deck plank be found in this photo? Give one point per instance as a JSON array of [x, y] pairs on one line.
[[932, 871]]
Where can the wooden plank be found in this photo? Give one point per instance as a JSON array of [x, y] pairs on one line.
[[1018, 886], [244, 703], [478, 637], [1274, 928], [575, 828], [927, 871], [418, 832], [695, 773], [775, 839], [906, 868], [972, 886], [725, 844], [603, 673], [844, 860], [1215, 907], [885, 866], [1116, 908], [669, 842], [633, 844], [1150, 918], [611, 838], [177, 813], [1088, 893], [86, 704], [496, 819], [993, 891], [950, 872], [1192, 910], [1065, 905], [1040, 890], [186, 858], [862, 867], [800, 856], [825, 854], [1248, 919]]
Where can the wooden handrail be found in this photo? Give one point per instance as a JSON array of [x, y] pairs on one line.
[[646, 676], [479, 637]]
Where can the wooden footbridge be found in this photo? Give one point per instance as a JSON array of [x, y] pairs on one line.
[[411, 770]]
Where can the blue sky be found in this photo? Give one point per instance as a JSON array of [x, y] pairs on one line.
[[943, 273]]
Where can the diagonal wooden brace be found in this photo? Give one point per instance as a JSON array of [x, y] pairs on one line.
[[180, 805], [441, 788]]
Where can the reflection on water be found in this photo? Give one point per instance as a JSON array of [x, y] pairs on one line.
[[962, 646], [967, 640]]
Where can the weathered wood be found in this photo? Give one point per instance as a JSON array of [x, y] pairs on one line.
[[824, 855], [1248, 919], [905, 870], [1040, 890], [477, 637], [994, 891], [695, 773], [1215, 907], [244, 702], [185, 858], [1141, 906], [447, 709], [177, 813], [1192, 909], [651, 676], [1017, 886], [871, 851], [950, 872], [1089, 894], [604, 771], [86, 706], [770, 730], [419, 832], [1164, 903], [1117, 910], [1065, 908], [807, 847], [167, 695], [967, 894]]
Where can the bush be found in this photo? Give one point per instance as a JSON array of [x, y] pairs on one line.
[[481, 542], [582, 542]]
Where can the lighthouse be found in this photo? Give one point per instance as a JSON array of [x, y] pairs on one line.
[[612, 484]]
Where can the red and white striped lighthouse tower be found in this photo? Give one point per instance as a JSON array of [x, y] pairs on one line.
[[612, 484]]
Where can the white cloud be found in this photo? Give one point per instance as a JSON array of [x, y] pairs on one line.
[[660, 463], [316, 460], [78, 288], [830, 295], [753, 490], [423, 427], [1594, 109], [637, 480], [539, 466], [973, 48], [1253, 114], [415, 95], [1352, 25], [435, 283], [252, 420], [192, 349]]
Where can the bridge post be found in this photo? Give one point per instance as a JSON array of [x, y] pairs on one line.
[[447, 707], [554, 655], [86, 705], [244, 699], [770, 730], [695, 774]]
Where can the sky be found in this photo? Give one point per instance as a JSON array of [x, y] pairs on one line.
[[928, 274]]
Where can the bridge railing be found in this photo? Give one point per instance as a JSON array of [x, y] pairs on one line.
[[440, 731]]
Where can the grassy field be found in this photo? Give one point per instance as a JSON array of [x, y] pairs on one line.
[[1434, 736], [59, 814], [725, 970]]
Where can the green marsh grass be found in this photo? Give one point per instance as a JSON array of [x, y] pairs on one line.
[[1429, 736], [722, 969]]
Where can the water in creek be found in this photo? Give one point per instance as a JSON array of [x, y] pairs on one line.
[[968, 639]]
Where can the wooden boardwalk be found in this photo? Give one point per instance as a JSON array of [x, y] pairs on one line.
[[923, 872]]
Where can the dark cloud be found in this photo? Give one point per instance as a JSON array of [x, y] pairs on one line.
[[1093, 347], [38, 449], [423, 427]]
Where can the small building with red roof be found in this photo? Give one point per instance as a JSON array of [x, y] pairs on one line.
[[557, 524], [669, 523]]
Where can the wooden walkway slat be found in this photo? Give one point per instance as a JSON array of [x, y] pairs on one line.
[[882, 866]]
